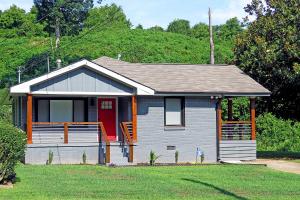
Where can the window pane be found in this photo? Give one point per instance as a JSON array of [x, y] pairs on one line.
[[173, 111], [79, 111], [61, 111], [43, 110]]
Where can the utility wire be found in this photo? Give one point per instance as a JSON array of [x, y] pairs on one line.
[[101, 23]]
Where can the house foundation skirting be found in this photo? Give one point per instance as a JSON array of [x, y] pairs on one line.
[[64, 153], [233, 150]]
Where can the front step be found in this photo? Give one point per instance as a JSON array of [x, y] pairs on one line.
[[118, 154]]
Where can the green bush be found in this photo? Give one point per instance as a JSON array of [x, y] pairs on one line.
[[275, 134], [12, 149]]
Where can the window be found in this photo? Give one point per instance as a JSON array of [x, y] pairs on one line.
[[61, 110], [174, 111], [106, 105]]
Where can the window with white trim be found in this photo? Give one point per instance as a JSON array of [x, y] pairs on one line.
[[174, 111]]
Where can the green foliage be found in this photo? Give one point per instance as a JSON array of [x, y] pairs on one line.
[[202, 158], [50, 158], [269, 51], [153, 158], [139, 26], [200, 31], [229, 30], [107, 16], [240, 109], [63, 16], [16, 22], [176, 156], [12, 149], [180, 26], [156, 28], [274, 134], [84, 158]]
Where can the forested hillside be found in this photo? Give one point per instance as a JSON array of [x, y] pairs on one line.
[[107, 32]]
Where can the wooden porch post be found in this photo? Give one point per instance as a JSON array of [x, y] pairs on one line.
[[252, 114], [66, 135], [29, 119], [229, 109], [134, 118], [219, 118]]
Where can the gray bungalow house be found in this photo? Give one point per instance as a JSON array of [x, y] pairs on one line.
[[117, 112]]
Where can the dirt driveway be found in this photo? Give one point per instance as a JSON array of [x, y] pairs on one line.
[[281, 165]]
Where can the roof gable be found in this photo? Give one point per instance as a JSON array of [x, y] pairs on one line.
[[26, 86], [82, 80]]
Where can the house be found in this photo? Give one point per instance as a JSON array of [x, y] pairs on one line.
[[117, 112]]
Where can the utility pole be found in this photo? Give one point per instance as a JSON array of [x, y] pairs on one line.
[[19, 74], [48, 63], [211, 40]]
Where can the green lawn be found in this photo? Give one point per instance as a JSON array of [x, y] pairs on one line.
[[296, 161], [193, 182]]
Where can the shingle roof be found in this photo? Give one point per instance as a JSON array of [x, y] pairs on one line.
[[184, 78]]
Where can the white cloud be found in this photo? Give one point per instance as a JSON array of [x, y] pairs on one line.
[[234, 8]]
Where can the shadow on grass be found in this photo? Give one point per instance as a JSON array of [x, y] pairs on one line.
[[223, 191]]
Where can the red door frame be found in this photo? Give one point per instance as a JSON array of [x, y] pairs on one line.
[[108, 116]]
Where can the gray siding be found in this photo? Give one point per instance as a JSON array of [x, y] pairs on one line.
[[199, 131], [92, 109], [238, 150], [82, 80], [62, 154]]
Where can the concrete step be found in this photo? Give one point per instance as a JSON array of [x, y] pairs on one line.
[[118, 154]]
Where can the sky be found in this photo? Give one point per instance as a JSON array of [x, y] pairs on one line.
[[161, 12]]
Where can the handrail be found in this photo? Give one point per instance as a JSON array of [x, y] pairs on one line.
[[107, 142], [62, 123], [236, 122], [126, 135]]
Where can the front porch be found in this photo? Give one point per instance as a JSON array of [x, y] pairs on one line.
[[237, 139], [92, 124]]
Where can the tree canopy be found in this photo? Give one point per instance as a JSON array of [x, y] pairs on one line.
[[269, 51], [63, 17], [181, 26]]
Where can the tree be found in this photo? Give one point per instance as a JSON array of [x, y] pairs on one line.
[[200, 31], [63, 17], [107, 16], [16, 22], [14, 17], [230, 29], [181, 26], [156, 28], [269, 51], [139, 26]]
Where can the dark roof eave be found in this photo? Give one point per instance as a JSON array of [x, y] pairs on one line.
[[220, 94]]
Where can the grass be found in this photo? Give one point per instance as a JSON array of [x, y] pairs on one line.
[[194, 182], [296, 161]]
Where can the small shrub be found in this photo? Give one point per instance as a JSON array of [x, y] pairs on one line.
[[50, 158], [176, 156], [12, 150], [202, 157], [84, 158], [153, 158]]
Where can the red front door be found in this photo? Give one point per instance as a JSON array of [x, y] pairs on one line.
[[107, 115]]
